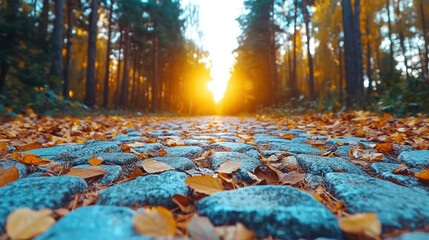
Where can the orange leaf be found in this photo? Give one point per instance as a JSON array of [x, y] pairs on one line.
[[151, 140], [361, 224], [163, 152], [151, 166], [384, 147], [185, 204], [292, 178], [206, 184], [87, 173], [14, 155], [3, 146], [25, 223], [95, 161], [266, 173], [156, 222], [423, 175], [30, 146], [360, 133], [9, 175], [136, 173], [229, 167], [139, 155], [31, 158]]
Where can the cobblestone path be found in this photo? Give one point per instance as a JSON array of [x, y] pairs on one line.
[[290, 184]]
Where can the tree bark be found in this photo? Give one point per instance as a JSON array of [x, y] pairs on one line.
[[389, 24], [426, 40], [57, 46], [156, 80], [309, 56], [4, 68], [118, 72], [294, 81], [272, 56], [108, 51], [44, 19], [92, 42], [126, 71], [368, 55], [135, 76], [340, 66], [69, 46]]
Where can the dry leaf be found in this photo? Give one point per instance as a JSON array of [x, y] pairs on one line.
[[30, 146], [163, 153], [202, 228], [360, 133], [229, 167], [174, 142], [264, 172], [136, 173], [292, 178], [384, 147], [31, 158], [87, 173], [185, 204], [9, 175], [3, 148], [361, 224], [95, 161], [139, 155], [25, 223], [135, 144], [206, 184], [402, 169], [151, 166], [243, 233], [155, 222], [423, 175]]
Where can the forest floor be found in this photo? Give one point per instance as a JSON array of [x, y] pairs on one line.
[[355, 175]]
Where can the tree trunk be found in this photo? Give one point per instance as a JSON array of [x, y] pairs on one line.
[[126, 71], [426, 40], [118, 72], [368, 56], [57, 46], [69, 45], [340, 66], [272, 56], [309, 56], [44, 19], [358, 49], [155, 80], [92, 44], [4, 68], [294, 81], [389, 24], [135, 76], [108, 50]]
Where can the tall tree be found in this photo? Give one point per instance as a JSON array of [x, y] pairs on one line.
[[92, 44], [69, 45], [108, 51], [425, 38], [126, 71], [57, 46], [309, 56]]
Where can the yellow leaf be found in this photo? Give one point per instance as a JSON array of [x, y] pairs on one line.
[[87, 173], [151, 166], [206, 184], [423, 175], [25, 223], [163, 152], [155, 222], [360, 133], [361, 224], [140, 155], [14, 155], [95, 161], [3, 146], [9, 175], [384, 147], [31, 158], [229, 167], [243, 233]]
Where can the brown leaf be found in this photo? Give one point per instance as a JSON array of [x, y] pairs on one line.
[[3, 148], [206, 184], [31, 158], [151, 166], [266, 173], [136, 173], [135, 144], [9, 175], [292, 178], [185, 204], [202, 228], [87, 173], [30, 146], [25, 223], [95, 161], [163, 153], [360, 133], [155, 222], [243, 233], [361, 224], [139, 155], [229, 167], [384, 147], [423, 175], [402, 169], [174, 142]]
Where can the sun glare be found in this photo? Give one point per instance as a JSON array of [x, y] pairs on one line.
[[220, 75]]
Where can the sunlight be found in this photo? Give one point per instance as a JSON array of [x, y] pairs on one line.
[[220, 75]]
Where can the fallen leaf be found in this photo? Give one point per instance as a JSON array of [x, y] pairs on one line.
[[3, 148], [155, 222], [266, 173], [151, 166], [229, 167], [151, 140], [139, 155], [360, 133], [30, 146], [174, 142], [402, 169], [243, 233], [163, 153], [361, 224], [135, 144], [87, 173], [25, 223], [9, 175], [423, 175], [31, 158], [202, 228], [384, 147], [95, 161], [14, 155], [185, 204], [206, 184], [136, 173], [292, 178]]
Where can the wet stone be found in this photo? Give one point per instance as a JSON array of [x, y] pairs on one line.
[[22, 169], [418, 158], [396, 206], [268, 153], [249, 163], [343, 151], [95, 147], [38, 193], [184, 151], [114, 158], [321, 165], [178, 163], [315, 180], [150, 190], [55, 153], [112, 172], [94, 222], [277, 211], [295, 147]]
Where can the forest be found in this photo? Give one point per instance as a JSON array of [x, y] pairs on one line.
[[60, 56]]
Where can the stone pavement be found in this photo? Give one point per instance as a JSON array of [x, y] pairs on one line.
[[334, 184]]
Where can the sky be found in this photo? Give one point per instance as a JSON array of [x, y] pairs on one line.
[[219, 28]]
